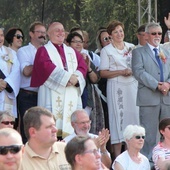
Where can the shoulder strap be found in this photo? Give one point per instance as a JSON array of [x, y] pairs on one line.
[[91, 54]]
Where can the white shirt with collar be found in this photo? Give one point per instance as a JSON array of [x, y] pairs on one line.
[[26, 56]]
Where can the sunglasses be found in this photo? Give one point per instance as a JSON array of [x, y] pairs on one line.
[[12, 149], [18, 36], [106, 38], [139, 137], [154, 33], [8, 122]]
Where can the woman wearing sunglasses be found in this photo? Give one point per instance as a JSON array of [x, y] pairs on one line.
[[132, 159], [14, 38], [7, 120], [102, 39], [161, 152]]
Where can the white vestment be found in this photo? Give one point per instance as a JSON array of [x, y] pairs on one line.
[[62, 101], [9, 65]]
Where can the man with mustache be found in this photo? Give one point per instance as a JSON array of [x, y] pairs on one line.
[[151, 67], [28, 95], [62, 83]]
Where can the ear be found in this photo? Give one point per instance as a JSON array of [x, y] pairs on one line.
[[146, 35], [78, 159], [31, 34], [73, 124], [137, 35], [127, 141], [162, 132], [32, 131]]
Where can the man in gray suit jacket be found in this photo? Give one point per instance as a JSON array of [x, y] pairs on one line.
[[153, 77]]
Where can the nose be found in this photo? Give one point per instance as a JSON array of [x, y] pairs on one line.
[[55, 129], [10, 126], [9, 155]]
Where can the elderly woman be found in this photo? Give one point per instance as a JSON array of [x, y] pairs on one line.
[[132, 159], [161, 152], [82, 153], [14, 38], [121, 85], [7, 120]]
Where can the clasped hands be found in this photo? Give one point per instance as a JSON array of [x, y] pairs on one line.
[[127, 72], [73, 80], [164, 87]]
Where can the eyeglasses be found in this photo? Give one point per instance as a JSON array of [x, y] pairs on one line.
[[106, 38], [83, 123], [140, 137], [76, 42], [8, 122], [18, 36], [156, 33], [94, 151], [12, 149], [40, 32]]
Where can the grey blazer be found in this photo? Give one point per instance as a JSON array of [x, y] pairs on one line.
[[146, 70]]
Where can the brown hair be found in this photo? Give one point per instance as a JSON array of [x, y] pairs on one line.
[[32, 118], [113, 25], [162, 125], [74, 147], [34, 24]]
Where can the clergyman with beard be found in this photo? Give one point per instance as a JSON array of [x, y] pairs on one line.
[[151, 67]]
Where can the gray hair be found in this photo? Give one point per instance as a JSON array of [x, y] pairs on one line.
[[75, 113], [4, 114], [132, 130], [10, 132], [151, 25]]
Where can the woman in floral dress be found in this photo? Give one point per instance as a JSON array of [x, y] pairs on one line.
[[121, 85]]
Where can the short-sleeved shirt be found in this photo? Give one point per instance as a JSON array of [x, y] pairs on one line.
[[26, 56], [160, 152], [55, 161]]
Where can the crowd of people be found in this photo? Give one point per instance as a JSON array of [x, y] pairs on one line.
[[73, 108]]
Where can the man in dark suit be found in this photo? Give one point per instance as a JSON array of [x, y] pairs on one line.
[[151, 67]]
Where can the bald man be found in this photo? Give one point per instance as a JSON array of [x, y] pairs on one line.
[[62, 83], [11, 149]]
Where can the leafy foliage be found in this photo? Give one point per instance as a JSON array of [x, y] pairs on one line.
[[89, 14]]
